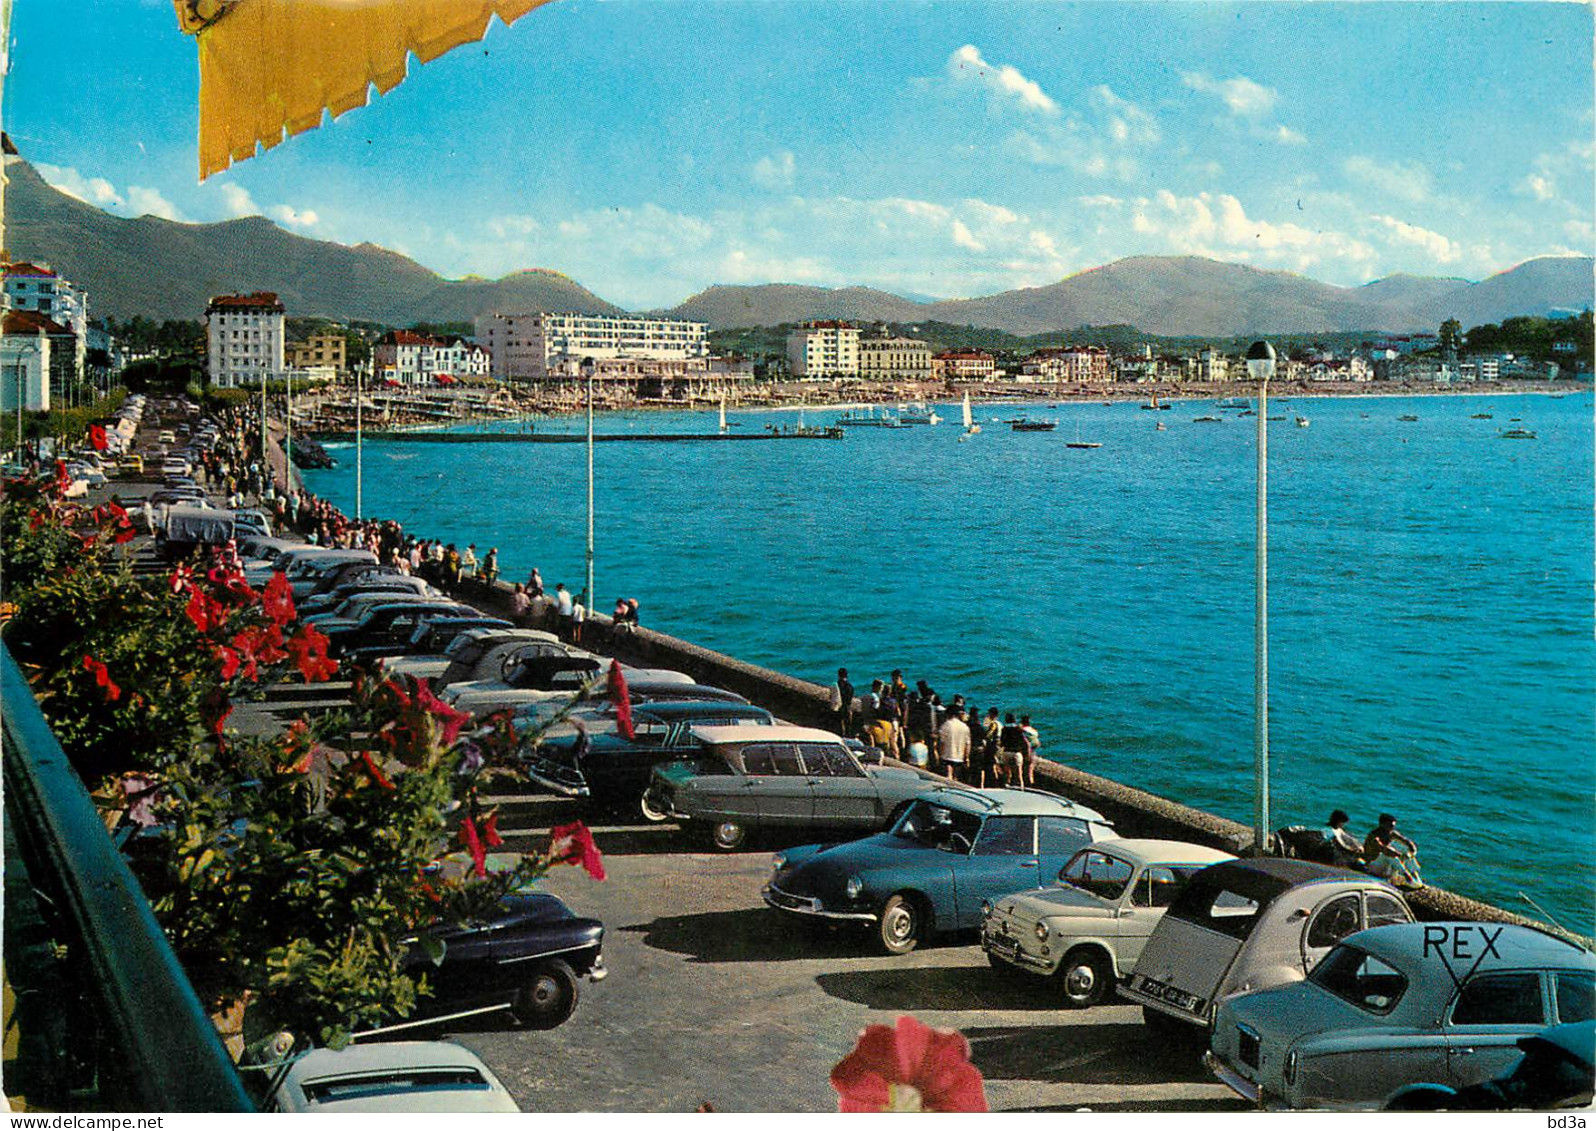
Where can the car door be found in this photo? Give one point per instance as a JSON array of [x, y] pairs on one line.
[[845, 797], [1153, 891], [777, 787], [1058, 839], [1491, 1012], [1003, 860], [1332, 921]]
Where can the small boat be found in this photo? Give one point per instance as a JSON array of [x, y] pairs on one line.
[[1206, 420], [1235, 402], [723, 414], [1481, 416], [1081, 444], [1518, 434], [918, 414], [860, 418], [1152, 405], [970, 426], [1408, 417], [1247, 412], [1302, 422], [1162, 427], [1033, 425]]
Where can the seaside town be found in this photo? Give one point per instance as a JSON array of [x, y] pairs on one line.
[[371, 745]]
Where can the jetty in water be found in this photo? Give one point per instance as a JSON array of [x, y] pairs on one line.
[[580, 437]]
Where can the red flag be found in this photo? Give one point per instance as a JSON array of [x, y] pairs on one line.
[[97, 437], [623, 701]]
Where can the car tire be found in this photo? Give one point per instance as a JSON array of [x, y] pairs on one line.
[[901, 925], [728, 836], [1085, 978], [652, 811], [548, 997]]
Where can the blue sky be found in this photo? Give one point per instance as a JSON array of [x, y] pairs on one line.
[[651, 149]]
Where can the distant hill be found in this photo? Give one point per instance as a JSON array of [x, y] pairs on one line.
[[163, 269]]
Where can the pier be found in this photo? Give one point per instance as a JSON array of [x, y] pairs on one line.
[[580, 438]]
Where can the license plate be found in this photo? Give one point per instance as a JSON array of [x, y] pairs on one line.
[[1008, 948], [1178, 998]]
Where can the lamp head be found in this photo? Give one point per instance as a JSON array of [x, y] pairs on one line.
[[1261, 361]]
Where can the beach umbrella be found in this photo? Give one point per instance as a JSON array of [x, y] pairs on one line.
[[271, 68]]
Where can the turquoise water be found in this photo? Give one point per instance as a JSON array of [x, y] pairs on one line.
[[1431, 617]]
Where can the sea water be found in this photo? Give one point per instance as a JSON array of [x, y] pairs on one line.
[[1430, 593]]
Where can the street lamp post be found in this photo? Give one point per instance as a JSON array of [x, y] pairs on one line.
[[589, 363], [360, 467], [1261, 367]]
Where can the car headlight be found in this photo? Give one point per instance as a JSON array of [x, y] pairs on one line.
[[778, 862], [853, 887], [1288, 1071], [1041, 931]]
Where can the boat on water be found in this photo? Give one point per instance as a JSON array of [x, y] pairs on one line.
[[867, 418], [1153, 406], [1517, 434], [1162, 427], [1033, 425], [970, 426], [1235, 402], [1206, 420], [918, 414], [1082, 444], [1409, 417], [1481, 416], [1302, 422]]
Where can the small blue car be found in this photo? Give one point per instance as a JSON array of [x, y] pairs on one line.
[[942, 855]]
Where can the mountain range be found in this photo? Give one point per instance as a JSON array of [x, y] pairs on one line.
[[164, 269]]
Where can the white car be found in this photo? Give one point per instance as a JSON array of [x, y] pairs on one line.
[[1087, 933], [542, 679], [402, 1076]]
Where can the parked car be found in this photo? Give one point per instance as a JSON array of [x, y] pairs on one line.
[[131, 464], [387, 624], [1558, 1070], [409, 1077], [529, 717], [534, 679], [942, 856], [353, 608], [1085, 934], [396, 642], [1415, 1003], [432, 635], [480, 655], [166, 436], [183, 529], [527, 959], [606, 768], [377, 580], [1248, 925], [306, 563]]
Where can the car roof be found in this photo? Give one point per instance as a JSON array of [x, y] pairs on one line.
[[1143, 851], [665, 708], [351, 1063], [1011, 803], [725, 735], [506, 635], [1515, 948]]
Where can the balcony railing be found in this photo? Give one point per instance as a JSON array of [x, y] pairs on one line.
[[128, 1022]]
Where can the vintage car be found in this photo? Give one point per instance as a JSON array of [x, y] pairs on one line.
[[532, 717], [387, 623], [408, 1077], [526, 960], [1086, 933], [477, 654], [1247, 925], [329, 600], [746, 777], [430, 636], [1558, 1070], [542, 679], [1440, 1003], [941, 857], [601, 765]]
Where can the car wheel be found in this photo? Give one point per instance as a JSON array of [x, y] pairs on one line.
[[652, 811], [548, 997], [901, 925], [1085, 977], [728, 835]]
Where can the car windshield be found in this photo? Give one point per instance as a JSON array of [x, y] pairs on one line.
[[1358, 977], [1097, 873], [937, 826]]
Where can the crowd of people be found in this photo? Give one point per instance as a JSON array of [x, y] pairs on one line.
[[952, 738]]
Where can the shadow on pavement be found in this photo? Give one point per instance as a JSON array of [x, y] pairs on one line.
[[1111, 1053], [922, 988], [1235, 1103], [753, 934]]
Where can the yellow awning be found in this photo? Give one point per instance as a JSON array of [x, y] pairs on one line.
[[269, 66]]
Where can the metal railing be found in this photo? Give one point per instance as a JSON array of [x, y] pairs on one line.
[[151, 1046]]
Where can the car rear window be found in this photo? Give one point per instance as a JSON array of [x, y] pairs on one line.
[[1228, 899], [338, 1089], [1358, 977]]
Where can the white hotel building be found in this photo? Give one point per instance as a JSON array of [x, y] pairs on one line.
[[552, 347], [244, 339]]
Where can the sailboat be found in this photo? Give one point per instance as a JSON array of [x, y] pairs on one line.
[[723, 415], [970, 426], [1078, 442]]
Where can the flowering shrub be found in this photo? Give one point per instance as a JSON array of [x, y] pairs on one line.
[[909, 1067]]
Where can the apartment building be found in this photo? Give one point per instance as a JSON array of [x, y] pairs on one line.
[[319, 351], [552, 347], [886, 357], [823, 349], [1080, 364], [244, 339], [34, 287], [417, 359], [964, 365]]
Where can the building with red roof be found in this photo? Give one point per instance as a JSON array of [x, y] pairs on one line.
[[244, 339]]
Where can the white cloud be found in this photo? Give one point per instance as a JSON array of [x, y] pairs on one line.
[[91, 190], [1285, 135], [1537, 186], [1005, 83], [142, 201], [237, 201], [776, 171], [962, 237], [1437, 246], [1241, 94], [1582, 231], [1410, 181], [1100, 200], [1126, 122], [293, 217], [1217, 225]]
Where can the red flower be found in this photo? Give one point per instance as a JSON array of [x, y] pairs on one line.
[[229, 582], [214, 710], [375, 770], [102, 678], [911, 1068], [262, 644], [277, 601], [62, 479], [181, 578], [97, 437], [230, 661], [573, 844], [449, 720], [473, 843], [205, 612], [309, 649], [490, 830], [623, 701]]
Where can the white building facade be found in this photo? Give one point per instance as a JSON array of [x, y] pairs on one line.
[[823, 349], [543, 346], [244, 339], [24, 363]]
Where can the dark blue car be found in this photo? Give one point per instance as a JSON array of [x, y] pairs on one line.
[[940, 857]]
